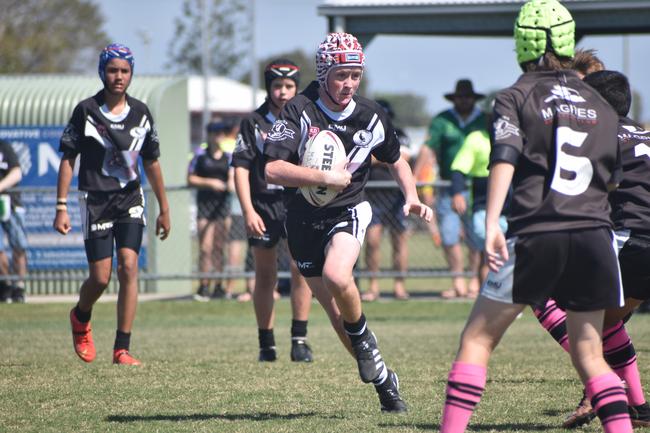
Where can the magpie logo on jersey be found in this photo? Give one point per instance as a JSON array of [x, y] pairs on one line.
[[138, 132], [564, 93], [362, 138], [504, 129], [280, 131]]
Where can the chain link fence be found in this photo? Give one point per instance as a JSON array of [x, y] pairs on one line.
[[57, 264]]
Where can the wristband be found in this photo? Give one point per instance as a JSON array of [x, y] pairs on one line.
[[61, 207], [61, 200]]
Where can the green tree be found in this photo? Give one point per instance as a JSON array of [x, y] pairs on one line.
[[228, 25], [409, 109], [41, 36]]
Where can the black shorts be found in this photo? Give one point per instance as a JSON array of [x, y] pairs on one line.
[[212, 210], [579, 269], [100, 211], [124, 235], [308, 236], [273, 213], [634, 258]]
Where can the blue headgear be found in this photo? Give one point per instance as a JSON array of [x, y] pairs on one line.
[[114, 51]]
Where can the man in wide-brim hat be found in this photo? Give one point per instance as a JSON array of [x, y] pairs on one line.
[[464, 89], [447, 133]]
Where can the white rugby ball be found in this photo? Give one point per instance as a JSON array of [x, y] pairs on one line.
[[323, 151]]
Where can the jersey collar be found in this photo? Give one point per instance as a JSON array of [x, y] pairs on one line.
[[337, 116]]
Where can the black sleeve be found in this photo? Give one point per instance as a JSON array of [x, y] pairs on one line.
[[458, 183], [70, 144], [151, 146], [507, 139], [389, 150], [617, 174], [244, 153], [286, 136], [8, 155]]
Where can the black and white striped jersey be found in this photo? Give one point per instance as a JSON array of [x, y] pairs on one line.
[[249, 151], [363, 127], [631, 200], [560, 135], [109, 144]]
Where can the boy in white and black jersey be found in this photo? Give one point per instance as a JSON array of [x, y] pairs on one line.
[[325, 241], [264, 210], [555, 142], [109, 132]]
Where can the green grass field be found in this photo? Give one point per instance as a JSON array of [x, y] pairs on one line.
[[200, 373]]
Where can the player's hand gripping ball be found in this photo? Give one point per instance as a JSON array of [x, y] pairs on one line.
[[323, 151]]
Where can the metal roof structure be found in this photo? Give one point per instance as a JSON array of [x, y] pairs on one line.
[[50, 99], [365, 19]]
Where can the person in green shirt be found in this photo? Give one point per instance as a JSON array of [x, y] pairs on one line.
[[447, 133], [471, 162]]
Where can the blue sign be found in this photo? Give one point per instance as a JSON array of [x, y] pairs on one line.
[[37, 150]]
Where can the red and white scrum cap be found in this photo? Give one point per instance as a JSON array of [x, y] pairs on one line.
[[338, 50]]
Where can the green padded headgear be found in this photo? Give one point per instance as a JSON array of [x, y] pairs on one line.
[[540, 21]]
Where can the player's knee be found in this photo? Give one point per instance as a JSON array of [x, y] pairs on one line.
[[99, 281], [336, 282], [127, 268]]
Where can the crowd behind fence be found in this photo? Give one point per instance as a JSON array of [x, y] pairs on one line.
[[57, 263]]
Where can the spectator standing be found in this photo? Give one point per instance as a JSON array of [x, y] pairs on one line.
[[447, 133], [471, 163], [209, 172], [12, 223], [386, 205]]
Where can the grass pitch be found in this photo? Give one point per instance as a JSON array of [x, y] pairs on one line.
[[200, 372]]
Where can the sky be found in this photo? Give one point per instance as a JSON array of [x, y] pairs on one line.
[[422, 65]]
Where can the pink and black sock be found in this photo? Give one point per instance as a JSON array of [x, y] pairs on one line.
[[465, 386], [621, 357], [553, 319], [610, 403]]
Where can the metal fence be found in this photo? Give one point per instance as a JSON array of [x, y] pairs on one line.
[[177, 259]]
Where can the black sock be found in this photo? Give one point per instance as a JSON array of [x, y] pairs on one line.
[[82, 316], [356, 331], [122, 340], [266, 338], [298, 329]]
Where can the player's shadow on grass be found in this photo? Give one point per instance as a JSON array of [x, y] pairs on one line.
[[260, 416], [474, 427]]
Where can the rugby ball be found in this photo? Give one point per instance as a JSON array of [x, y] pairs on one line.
[[323, 151]]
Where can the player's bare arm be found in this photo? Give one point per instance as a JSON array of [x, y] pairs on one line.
[[254, 222], [291, 175], [62, 219], [402, 174], [206, 182], [495, 242], [154, 176]]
